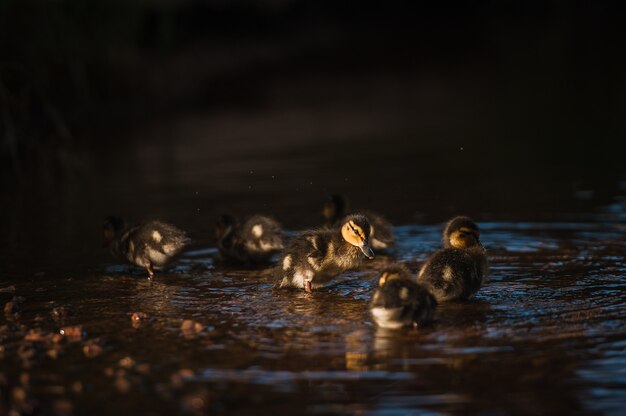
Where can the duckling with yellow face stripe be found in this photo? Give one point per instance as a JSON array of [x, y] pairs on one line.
[[460, 268], [150, 245], [315, 257], [399, 301], [381, 230]]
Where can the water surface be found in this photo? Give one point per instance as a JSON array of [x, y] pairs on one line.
[[545, 335]]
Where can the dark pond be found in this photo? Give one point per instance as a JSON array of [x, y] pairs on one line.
[[546, 335]]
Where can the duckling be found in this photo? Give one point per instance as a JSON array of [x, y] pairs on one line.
[[315, 257], [399, 301], [253, 242], [381, 230], [460, 268], [149, 245]]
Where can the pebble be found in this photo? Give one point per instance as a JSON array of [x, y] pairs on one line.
[[72, 333], [92, 348], [191, 328]]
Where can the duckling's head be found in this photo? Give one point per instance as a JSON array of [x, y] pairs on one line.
[[335, 207], [461, 232], [225, 224], [397, 271], [111, 228], [356, 231]]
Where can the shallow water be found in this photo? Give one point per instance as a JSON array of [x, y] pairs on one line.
[[547, 334]]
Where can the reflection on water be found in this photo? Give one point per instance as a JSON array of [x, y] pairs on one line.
[[546, 335]]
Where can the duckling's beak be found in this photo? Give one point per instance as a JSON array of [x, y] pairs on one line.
[[367, 250]]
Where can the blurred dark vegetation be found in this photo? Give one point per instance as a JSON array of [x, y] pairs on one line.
[[182, 110], [526, 82]]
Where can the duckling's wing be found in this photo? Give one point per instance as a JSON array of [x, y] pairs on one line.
[[164, 237], [310, 248], [262, 233], [259, 226]]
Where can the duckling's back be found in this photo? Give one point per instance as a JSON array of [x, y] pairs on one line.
[[253, 242], [454, 273], [263, 235], [316, 256], [159, 240]]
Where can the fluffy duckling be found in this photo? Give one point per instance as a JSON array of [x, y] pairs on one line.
[[149, 245], [460, 268], [315, 257], [253, 242], [381, 230], [399, 301]]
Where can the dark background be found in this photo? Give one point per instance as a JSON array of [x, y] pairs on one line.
[[420, 110]]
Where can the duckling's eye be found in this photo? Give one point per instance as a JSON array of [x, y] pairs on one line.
[[354, 230]]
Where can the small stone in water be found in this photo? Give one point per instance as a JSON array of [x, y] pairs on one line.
[[13, 306], [180, 376], [34, 335], [92, 349], [57, 338], [190, 327], [63, 407], [127, 362], [77, 387], [122, 384], [19, 394], [139, 316], [143, 368], [72, 333], [8, 289], [10, 308], [25, 379]]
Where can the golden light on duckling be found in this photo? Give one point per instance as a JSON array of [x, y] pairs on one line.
[[399, 301], [464, 237], [460, 268], [381, 235], [254, 241], [315, 257], [150, 245], [355, 235], [387, 276]]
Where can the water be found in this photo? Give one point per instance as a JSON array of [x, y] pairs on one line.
[[546, 335]]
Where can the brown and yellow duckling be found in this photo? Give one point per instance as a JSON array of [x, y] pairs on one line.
[[254, 241], [460, 268], [381, 230], [399, 301], [315, 257], [150, 245]]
